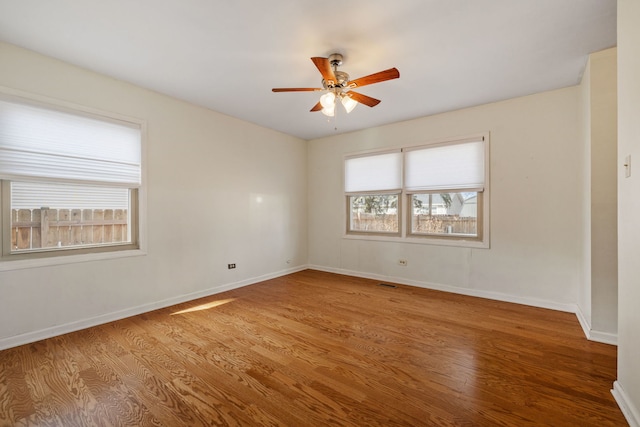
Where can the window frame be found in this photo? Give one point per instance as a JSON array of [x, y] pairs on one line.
[[54, 256], [471, 238], [482, 240], [375, 233]]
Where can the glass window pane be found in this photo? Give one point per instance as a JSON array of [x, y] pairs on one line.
[[446, 214], [374, 213], [45, 215]]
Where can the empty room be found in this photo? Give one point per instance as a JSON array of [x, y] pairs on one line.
[[296, 213]]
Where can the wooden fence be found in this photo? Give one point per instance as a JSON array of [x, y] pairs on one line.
[[445, 224], [437, 224], [50, 228], [371, 222]]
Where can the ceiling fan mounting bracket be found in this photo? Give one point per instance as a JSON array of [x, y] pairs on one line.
[[335, 59]]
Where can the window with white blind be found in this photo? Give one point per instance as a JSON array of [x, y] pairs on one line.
[[441, 186], [69, 180], [373, 184], [445, 185]]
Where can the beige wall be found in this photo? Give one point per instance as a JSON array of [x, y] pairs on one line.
[[219, 191], [627, 387], [604, 197], [598, 291], [584, 287], [536, 204]]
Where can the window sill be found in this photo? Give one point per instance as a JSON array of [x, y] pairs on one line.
[[7, 264], [434, 241]]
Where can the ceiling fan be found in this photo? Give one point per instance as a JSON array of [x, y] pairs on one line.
[[339, 87]]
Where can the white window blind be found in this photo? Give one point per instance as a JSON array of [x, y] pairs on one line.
[[36, 195], [445, 167], [38, 143], [379, 172]]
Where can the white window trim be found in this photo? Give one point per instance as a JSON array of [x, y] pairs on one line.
[[7, 264], [405, 236]]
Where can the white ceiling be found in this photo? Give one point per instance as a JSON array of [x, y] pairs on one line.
[[227, 54]]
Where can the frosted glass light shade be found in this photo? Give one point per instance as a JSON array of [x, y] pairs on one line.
[[329, 111], [349, 103], [328, 100]]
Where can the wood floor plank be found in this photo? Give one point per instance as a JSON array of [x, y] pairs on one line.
[[315, 349]]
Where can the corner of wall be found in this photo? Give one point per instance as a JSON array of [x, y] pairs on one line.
[[630, 412]]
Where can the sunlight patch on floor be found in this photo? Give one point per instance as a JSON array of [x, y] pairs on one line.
[[206, 306]]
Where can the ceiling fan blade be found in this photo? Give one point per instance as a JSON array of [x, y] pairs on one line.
[[364, 99], [316, 107], [391, 73], [324, 66], [295, 89]]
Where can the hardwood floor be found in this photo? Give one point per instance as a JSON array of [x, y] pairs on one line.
[[315, 349]]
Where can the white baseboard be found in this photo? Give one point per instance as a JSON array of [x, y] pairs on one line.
[[34, 336], [584, 323], [593, 335], [603, 337], [569, 308], [630, 412]]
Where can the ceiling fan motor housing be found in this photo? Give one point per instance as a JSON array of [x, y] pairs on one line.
[[342, 78]]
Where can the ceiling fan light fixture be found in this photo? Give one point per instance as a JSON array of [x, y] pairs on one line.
[[329, 111], [328, 100], [338, 86], [348, 103]]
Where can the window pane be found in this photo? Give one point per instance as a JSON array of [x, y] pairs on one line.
[[374, 213], [45, 215], [447, 214]]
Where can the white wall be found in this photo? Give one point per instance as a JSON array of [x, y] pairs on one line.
[[536, 204], [598, 290], [584, 282], [604, 197], [220, 191], [627, 387]]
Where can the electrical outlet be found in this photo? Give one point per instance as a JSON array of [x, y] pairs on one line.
[[627, 166], [230, 266], [402, 262]]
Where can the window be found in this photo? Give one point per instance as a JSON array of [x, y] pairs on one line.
[[452, 214], [442, 186], [374, 213], [69, 180], [373, 185]]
